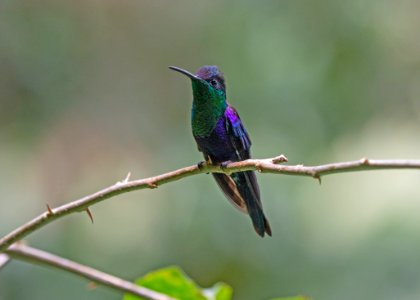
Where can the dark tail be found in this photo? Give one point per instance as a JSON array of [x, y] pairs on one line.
[[251, 194], [243, 191]]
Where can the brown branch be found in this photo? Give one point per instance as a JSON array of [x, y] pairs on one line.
[[4, 260], [270, 165], [22, 252]]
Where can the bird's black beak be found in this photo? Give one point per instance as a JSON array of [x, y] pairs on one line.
[[185, 72]]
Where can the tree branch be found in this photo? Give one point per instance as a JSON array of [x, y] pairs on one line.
[[22, 252], [270, 165], [4, 260]]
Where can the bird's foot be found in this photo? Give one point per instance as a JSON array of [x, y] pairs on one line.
[[202, 164], [224, 164]]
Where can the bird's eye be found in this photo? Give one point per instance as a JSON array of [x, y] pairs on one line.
[[213, 82]]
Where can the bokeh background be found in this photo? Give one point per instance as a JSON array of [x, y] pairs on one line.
[[86, 97]]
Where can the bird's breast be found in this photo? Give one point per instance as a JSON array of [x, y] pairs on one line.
[[217, 144]]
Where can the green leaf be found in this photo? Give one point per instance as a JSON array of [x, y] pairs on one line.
[[174, 282], [220, 291]]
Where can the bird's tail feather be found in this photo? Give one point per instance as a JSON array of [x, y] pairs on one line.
[[242, 190], [251, 195]]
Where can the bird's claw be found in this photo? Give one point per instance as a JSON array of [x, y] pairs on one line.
[[201, 164], [224, 165]]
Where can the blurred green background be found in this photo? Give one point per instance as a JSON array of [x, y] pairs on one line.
[[86, 97]]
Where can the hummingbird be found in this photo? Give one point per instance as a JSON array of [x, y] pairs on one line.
[[222, 138]]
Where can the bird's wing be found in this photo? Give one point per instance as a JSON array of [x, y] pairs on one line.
[[242, 188], [237, 133], [241, 143]]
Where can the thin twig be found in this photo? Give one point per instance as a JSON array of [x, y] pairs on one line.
[[4, 259], [22, 252], [270, 165]]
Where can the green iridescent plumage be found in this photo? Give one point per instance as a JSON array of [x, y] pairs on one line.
[[209, 104]]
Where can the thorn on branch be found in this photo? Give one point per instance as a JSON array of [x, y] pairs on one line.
[[125, 180], [89, 214], [279, 159], [364, 161], [152, 185], [50, 212], [317, 176]]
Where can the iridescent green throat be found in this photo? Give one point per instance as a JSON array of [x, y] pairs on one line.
[[209, 104]]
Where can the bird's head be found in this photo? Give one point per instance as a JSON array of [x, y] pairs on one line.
[[208, 82]]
